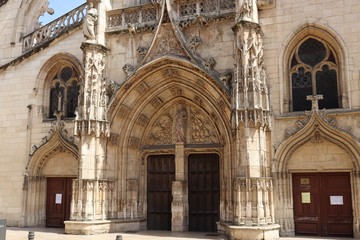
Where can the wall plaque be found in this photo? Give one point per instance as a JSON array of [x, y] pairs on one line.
[[304, 181], [58, 198], [305, 197], [336, 200]]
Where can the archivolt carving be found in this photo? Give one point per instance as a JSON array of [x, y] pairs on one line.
[[142, 88], [134, 143], [142, 120], [176, 91], [124, 111], [156, 102]]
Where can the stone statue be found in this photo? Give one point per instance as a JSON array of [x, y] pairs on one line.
[[180, 123], [89, 23], [247, 10]]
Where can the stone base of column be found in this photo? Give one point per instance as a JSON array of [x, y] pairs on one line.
[[104, 226], [266, 232]]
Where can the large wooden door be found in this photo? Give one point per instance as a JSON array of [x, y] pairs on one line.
[[322, 204], [58, 200], [204, 193], [160, 175]]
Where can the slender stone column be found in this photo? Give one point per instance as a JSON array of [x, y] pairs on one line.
[[179, 205], [251, 125], [92, 127]]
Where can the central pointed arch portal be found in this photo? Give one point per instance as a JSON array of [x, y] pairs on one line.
[[172, 123]]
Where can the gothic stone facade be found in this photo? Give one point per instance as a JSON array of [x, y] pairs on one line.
[[239, 116]]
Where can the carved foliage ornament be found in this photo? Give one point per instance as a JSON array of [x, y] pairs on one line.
[[175, 125]]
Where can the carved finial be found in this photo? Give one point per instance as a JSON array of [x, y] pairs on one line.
[[315, 101], [128, 69]]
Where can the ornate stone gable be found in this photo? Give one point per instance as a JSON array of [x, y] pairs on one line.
[[166, 43]]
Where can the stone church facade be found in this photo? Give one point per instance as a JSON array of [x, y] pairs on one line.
[[237, 116]]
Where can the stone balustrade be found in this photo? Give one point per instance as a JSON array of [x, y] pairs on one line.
[[55, 28], [128, 18]]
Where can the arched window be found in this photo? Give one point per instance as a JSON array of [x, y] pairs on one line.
[[314, 70], [64, 92]]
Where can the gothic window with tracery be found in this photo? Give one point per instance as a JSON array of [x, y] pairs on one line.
[[314, 71], [64, 92]]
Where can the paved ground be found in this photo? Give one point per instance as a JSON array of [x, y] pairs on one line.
[[58, 234]]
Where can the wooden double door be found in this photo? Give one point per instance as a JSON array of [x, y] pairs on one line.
[[203, 191], [58, 199], [322, 204]]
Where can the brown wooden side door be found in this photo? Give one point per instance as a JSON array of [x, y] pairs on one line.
[[322, 204], [336, 205], [306, 195], [204, 192], [160, 175], [58, 200]]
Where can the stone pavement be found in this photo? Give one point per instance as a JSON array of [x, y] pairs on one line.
[[58, 234]]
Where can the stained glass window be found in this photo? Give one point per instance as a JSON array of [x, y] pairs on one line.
[[64, 92], [313, 71]]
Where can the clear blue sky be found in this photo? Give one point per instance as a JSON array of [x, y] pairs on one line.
[[60, 7]]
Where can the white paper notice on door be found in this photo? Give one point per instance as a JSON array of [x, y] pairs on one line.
[[58, 198], [336, 200]]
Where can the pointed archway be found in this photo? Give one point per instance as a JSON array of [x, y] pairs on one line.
[[56, 156], [315, 145], [169, 106]]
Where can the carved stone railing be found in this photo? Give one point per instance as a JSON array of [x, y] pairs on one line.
[[132, 17], [54, 28], [187, 9]]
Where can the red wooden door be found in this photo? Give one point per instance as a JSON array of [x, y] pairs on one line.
[[204, 192], [58, 200], [160, 175], [306, 194], [322, 204], [336, 205]]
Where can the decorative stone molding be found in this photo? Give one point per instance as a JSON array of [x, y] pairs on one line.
[[254, 196], [193, 43], [156, 102], [176, 91], [134, 143], [57, 128], [111, 89], [170, 72], [142, 87], [142, 51], [128, 69], [123, 111], [92, 199], [168, 44], [142, 120], [161, 131], [202, 130], [209, 63], [113, 139], [91, 115]]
